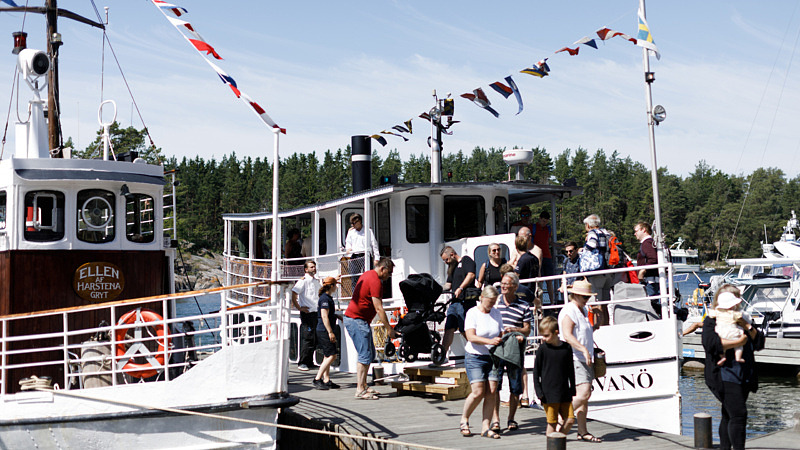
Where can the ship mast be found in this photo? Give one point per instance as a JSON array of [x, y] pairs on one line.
[[654, 117], [53, 40]]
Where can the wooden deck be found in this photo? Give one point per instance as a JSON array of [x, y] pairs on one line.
[[784, 352]]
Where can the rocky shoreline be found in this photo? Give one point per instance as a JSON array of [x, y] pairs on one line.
[[200, 271]]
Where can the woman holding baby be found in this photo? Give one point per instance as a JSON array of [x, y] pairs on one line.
[[729, 339]]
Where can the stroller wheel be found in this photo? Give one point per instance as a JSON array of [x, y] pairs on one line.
[[389, 350], [435, 337], [437, 354], [401, 352]]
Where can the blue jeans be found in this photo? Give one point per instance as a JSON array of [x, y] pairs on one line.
[[480, 368], [515, 375], [361, 334]]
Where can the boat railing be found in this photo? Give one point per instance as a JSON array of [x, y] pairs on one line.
[[139, 344]]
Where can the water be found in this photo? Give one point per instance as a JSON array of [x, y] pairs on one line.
[[770, 409]]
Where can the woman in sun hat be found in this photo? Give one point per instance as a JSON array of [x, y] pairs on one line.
[[732, 381], [326, 334], [575, 330]]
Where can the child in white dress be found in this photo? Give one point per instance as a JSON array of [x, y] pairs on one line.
[[727, 313]]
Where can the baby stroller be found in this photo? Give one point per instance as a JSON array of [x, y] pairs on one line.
[[420, 292]]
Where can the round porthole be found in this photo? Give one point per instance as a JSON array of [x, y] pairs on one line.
[[96, 213]]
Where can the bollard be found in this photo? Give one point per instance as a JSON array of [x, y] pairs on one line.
[[557, 441], [702, 430], [377, 374]]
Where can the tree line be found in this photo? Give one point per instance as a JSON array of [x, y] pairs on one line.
[[722, 215]]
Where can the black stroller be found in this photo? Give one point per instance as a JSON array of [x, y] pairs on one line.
[[420, 292]]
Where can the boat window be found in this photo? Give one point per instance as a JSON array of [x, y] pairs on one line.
[[2, 210], [383, 231], [96, 215], [417, 217], [464, 216], [139, 218], [44, 216], [481, 255], [500, 215]]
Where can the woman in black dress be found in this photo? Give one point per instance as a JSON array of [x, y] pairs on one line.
[[731, 382]]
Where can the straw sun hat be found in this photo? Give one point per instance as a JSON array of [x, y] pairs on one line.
[[581, 287]]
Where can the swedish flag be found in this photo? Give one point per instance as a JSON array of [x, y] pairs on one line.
[[644, 38]]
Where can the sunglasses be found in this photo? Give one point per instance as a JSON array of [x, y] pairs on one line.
[[495, 250]]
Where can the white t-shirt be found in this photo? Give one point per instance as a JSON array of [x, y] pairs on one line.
[[582, 330], [307, 290], [485, 325], [356, 241]]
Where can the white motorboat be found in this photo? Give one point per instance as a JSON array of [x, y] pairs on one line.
[[92, 354], [684, 260]]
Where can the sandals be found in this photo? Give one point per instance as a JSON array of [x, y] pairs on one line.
[[495, 427], [464, 428], [524, 402], [490, 434], [588, 437], [366, 395], [513, 425]]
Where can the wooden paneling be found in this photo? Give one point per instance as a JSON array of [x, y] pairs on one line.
[[33, 281]]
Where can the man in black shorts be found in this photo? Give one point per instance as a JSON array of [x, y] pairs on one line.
[[460, 276]]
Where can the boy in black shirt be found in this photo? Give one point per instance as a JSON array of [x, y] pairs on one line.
[[554, 378]]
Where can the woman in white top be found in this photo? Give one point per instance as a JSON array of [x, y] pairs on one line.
[[483, 327], [575, 329]]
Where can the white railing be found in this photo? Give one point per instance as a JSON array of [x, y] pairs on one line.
[[101, 355]]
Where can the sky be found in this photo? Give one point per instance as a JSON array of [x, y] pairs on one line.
[[326, 71]]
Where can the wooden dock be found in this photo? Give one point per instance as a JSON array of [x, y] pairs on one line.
[[430, 421], [784, 352]]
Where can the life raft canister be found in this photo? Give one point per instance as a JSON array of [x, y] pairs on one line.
[[142, 370]]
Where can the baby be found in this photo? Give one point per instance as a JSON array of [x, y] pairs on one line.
[[727, 314]]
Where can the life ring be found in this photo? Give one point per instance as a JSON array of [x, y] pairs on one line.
[[141, 370]]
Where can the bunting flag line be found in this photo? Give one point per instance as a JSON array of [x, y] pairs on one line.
[[172, 13], [381, 140], [644, 38], [586, 41], [571, 51], [395, 134], [479, 98]]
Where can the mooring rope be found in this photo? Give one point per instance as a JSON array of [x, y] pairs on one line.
[[250, 421]]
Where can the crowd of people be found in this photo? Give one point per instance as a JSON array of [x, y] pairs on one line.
[[496, 313]]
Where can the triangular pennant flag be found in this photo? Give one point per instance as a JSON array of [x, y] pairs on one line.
[[203, 46], [571, 51], [425, 116], [395, 134], [401, 129], [502, 89], [182, 23], [586, 41], [644, 38], [513, 87], [381, 140], [540, 69], [479, 98], [408, 125], [10, 3], [177, 11]]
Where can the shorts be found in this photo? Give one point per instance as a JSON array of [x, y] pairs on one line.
[[361, 334], [515, 375], [583, 373], [548, 267], [553, 410], [324, 343], [455, 317], [480, 368]]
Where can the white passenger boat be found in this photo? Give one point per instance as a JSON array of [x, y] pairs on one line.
[[412, 222], [92, 354]]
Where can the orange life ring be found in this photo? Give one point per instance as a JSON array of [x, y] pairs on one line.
[[142, 370]]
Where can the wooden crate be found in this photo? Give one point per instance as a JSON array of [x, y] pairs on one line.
[[449, 383]]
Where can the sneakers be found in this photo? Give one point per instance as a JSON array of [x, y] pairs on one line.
[[332, 385], [321, 385], [302, 367]]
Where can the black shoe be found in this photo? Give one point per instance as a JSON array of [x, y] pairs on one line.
[[319, 384], [332, 385]]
